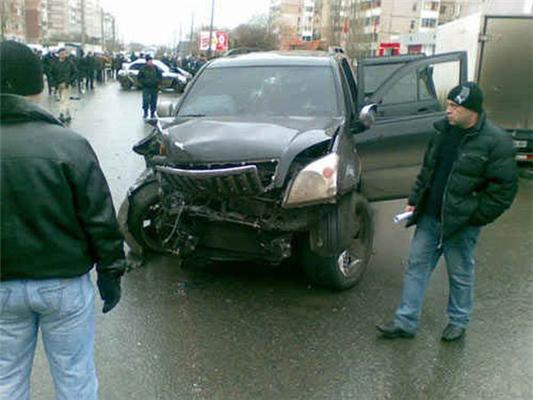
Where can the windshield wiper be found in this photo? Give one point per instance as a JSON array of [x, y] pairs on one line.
[[191, 115]]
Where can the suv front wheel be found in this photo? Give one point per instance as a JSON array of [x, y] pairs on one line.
[[351, 225]]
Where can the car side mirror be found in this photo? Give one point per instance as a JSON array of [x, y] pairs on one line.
[[166, 109], [367, 115]]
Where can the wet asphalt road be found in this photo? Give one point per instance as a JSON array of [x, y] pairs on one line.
[[248, 332]]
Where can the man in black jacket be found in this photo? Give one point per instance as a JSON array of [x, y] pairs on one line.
[[65, 75], [57, 222], [150, 79], [468, 179]]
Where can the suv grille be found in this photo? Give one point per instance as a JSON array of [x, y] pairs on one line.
[[224, 179]]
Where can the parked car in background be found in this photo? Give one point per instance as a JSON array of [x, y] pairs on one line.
[[172, 78]]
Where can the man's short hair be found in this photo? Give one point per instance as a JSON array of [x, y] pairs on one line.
[[21, 71]]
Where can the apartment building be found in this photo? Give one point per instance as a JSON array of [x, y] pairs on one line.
[[294, 21], [12, 20], [306, 20], [36, 21], [74, 20], [284, 17]]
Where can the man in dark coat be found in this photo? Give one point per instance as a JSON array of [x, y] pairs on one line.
[[65, 75], [57, 222], [90, 65], [48, 67], [468, 179], [150, 79]]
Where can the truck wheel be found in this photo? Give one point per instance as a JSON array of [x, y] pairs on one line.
[[142, 222], [345, 268]]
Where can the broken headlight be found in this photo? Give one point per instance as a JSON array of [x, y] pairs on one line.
[[316, 182]]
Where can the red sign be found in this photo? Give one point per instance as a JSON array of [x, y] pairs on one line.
[[219, 41]]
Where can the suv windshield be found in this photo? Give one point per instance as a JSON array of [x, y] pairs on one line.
[[262, 91]]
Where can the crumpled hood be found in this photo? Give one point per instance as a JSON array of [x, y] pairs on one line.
[[200, 140], [18, 109]]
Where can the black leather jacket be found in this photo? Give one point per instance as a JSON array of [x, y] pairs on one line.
[[57, 216]]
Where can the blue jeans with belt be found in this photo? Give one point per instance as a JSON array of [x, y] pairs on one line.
[[460, 263], [63, 309]]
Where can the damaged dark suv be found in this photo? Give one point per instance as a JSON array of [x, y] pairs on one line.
[[261, 162]]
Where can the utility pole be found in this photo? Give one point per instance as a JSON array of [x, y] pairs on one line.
[[114, 35], [179, 37], [83, 39], [211, 28], [192, 34], [102, 30]]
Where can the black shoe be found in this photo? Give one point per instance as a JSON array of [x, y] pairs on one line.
[[452, 332], [391, 331], [153, 116]]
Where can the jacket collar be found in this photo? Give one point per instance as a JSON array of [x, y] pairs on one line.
[[17, 109], [443, 125]]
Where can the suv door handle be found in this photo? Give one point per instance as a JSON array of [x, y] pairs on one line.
[[423, 109]]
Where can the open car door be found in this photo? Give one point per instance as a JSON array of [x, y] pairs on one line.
[[411, 95]]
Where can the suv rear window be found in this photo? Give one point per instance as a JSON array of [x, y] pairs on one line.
[[263, 91]]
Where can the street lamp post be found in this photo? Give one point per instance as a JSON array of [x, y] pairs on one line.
[[211, 28]]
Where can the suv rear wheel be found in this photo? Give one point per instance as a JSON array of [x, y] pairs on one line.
[[346, 266]]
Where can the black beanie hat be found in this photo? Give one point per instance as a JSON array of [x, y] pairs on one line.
[[21, 71], [468, 95]]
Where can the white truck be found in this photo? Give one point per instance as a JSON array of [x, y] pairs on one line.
[[500, 60]]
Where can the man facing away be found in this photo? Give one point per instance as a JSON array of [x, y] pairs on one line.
[[57, 222], [150, 79], [468, 179], [65, 75]]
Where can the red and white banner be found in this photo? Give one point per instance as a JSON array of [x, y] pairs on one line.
[[219, 41]]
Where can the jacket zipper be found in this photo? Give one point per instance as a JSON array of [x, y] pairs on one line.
[[446, 189]]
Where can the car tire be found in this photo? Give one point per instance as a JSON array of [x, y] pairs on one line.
[[345, 268], [177, 87], [144, 207], [126, 85]]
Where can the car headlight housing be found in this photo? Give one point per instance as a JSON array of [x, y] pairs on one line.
[[315, 183]]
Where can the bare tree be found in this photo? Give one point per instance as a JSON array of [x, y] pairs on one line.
[[254, 34]]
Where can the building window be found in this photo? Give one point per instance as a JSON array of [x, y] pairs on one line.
[[429, 23], [413, 24], [414, 6], [431, 5]]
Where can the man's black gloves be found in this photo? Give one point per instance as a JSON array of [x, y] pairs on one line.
[[108, 282], [109, 288]]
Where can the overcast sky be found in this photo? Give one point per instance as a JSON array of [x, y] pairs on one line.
[[159, 21]]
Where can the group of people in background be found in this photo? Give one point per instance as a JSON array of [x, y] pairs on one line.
[[67, 70], [69, 74]]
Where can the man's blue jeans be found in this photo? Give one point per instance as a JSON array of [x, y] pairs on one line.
[[150, 101], [64, 311], [425, 253]]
